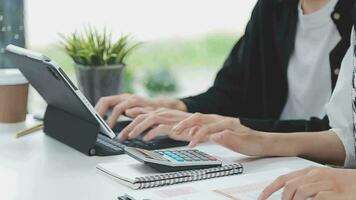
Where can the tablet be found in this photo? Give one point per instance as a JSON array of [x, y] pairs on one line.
[[54, 85]]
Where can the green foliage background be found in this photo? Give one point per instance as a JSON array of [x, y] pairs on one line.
[[208, 51]]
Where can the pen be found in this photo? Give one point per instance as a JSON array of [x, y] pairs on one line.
[[128, 197], [125, 197], [29, 130]]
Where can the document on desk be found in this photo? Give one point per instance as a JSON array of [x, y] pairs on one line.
[[243, 187]]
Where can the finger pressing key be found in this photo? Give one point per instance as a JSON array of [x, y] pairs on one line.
[[187, 123], [145, 124], [157, 131], [119, 110], [136, 111], [124, 134]]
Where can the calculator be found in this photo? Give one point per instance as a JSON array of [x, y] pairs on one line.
[[169, 160]]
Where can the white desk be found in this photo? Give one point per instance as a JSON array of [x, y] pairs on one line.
[[37, 167]]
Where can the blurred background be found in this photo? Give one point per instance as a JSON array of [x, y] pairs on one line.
[[183, 43]]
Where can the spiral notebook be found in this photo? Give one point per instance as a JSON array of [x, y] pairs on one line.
[[139, 176]]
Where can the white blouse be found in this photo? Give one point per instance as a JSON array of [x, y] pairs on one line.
[[316, 37], [340, 109]]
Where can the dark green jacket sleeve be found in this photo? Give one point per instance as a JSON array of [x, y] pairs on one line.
[[273, 125]]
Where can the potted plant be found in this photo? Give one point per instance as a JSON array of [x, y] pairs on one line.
[[99, 61], [160, 82]]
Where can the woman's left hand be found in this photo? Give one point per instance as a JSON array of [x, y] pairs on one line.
[[159, 121], [208, 125], [316, 183]]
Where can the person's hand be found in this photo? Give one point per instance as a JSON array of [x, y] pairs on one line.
[[161, 121], [245, 141], [242, 140], [128, 104], [132, 106], [230, 133], [208, 125], [316, 183]]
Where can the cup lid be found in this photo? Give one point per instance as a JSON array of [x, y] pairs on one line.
[[12, 77]]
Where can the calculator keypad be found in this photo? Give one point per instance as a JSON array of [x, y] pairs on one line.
[[185, 155]]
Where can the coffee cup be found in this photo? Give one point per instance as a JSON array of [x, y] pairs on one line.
[[13, 96]]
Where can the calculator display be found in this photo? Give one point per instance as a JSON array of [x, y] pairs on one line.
[[185, 156]]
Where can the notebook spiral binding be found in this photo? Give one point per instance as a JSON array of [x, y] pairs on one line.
[[188, 176]]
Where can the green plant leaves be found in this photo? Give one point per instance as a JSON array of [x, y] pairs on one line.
[[94, 48], [160, 81]]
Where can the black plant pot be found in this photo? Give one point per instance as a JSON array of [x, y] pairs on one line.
[[100, 81]]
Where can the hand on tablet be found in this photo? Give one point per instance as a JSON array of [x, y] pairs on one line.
[[160, 121], [133, 106], [128, 104]]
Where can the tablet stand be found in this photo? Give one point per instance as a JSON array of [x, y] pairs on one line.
[[71, 130]]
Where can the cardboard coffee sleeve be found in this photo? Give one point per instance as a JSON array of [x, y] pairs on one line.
[[13, 96]]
